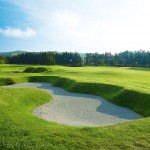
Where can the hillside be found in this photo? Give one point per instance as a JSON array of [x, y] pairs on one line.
[[13, 53]]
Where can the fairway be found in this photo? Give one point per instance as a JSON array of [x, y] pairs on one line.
[[127, 87], [136, 79]]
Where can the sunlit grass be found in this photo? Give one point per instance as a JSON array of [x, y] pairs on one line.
[[20, 129], [130, 78]]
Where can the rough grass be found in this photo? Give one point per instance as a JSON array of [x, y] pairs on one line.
[[129, 87]]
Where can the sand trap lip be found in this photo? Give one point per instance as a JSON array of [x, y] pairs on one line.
[[78, 109]]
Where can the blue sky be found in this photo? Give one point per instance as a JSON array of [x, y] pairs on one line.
[[80, 25]]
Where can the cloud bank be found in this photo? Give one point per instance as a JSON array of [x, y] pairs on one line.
[[83, 26], [17, 32]]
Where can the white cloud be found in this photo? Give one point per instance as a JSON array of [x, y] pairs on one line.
[[17, 32], [67, 20]]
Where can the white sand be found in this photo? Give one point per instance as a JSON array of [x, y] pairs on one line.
[[78, 109]]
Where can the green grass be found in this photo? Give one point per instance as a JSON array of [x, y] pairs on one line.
[[19, 129], [130, 78]]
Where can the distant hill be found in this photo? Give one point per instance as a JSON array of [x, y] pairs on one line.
[[13, 53], [8, 54]]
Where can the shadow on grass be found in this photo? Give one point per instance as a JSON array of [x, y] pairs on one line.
[[98, 89], [136, 101]]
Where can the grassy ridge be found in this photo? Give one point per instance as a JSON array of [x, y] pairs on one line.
[[136, 101], [19, 129]]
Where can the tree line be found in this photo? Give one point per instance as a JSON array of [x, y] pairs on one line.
[[123, 59], [47, 58]]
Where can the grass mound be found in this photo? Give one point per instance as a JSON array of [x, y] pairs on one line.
[[29, 70], [39, 69], [35, 70], [136, 101], [6, 81]]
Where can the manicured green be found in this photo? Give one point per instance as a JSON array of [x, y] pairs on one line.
[[20, 129]]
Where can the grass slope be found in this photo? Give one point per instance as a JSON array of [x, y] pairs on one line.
[[136, 101], [19, 129], [129, 87]]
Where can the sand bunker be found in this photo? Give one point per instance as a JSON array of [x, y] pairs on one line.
[[78, 109]]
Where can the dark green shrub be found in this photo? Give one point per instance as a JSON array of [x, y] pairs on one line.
[[6, 81], [29, 70], [15, 71], [39, 69], [35, 70]]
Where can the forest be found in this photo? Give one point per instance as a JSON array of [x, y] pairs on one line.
[[123, 59]]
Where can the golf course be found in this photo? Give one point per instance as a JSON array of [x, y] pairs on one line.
[[125, 87]]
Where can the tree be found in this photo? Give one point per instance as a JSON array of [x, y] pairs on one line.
[[2, 60]]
